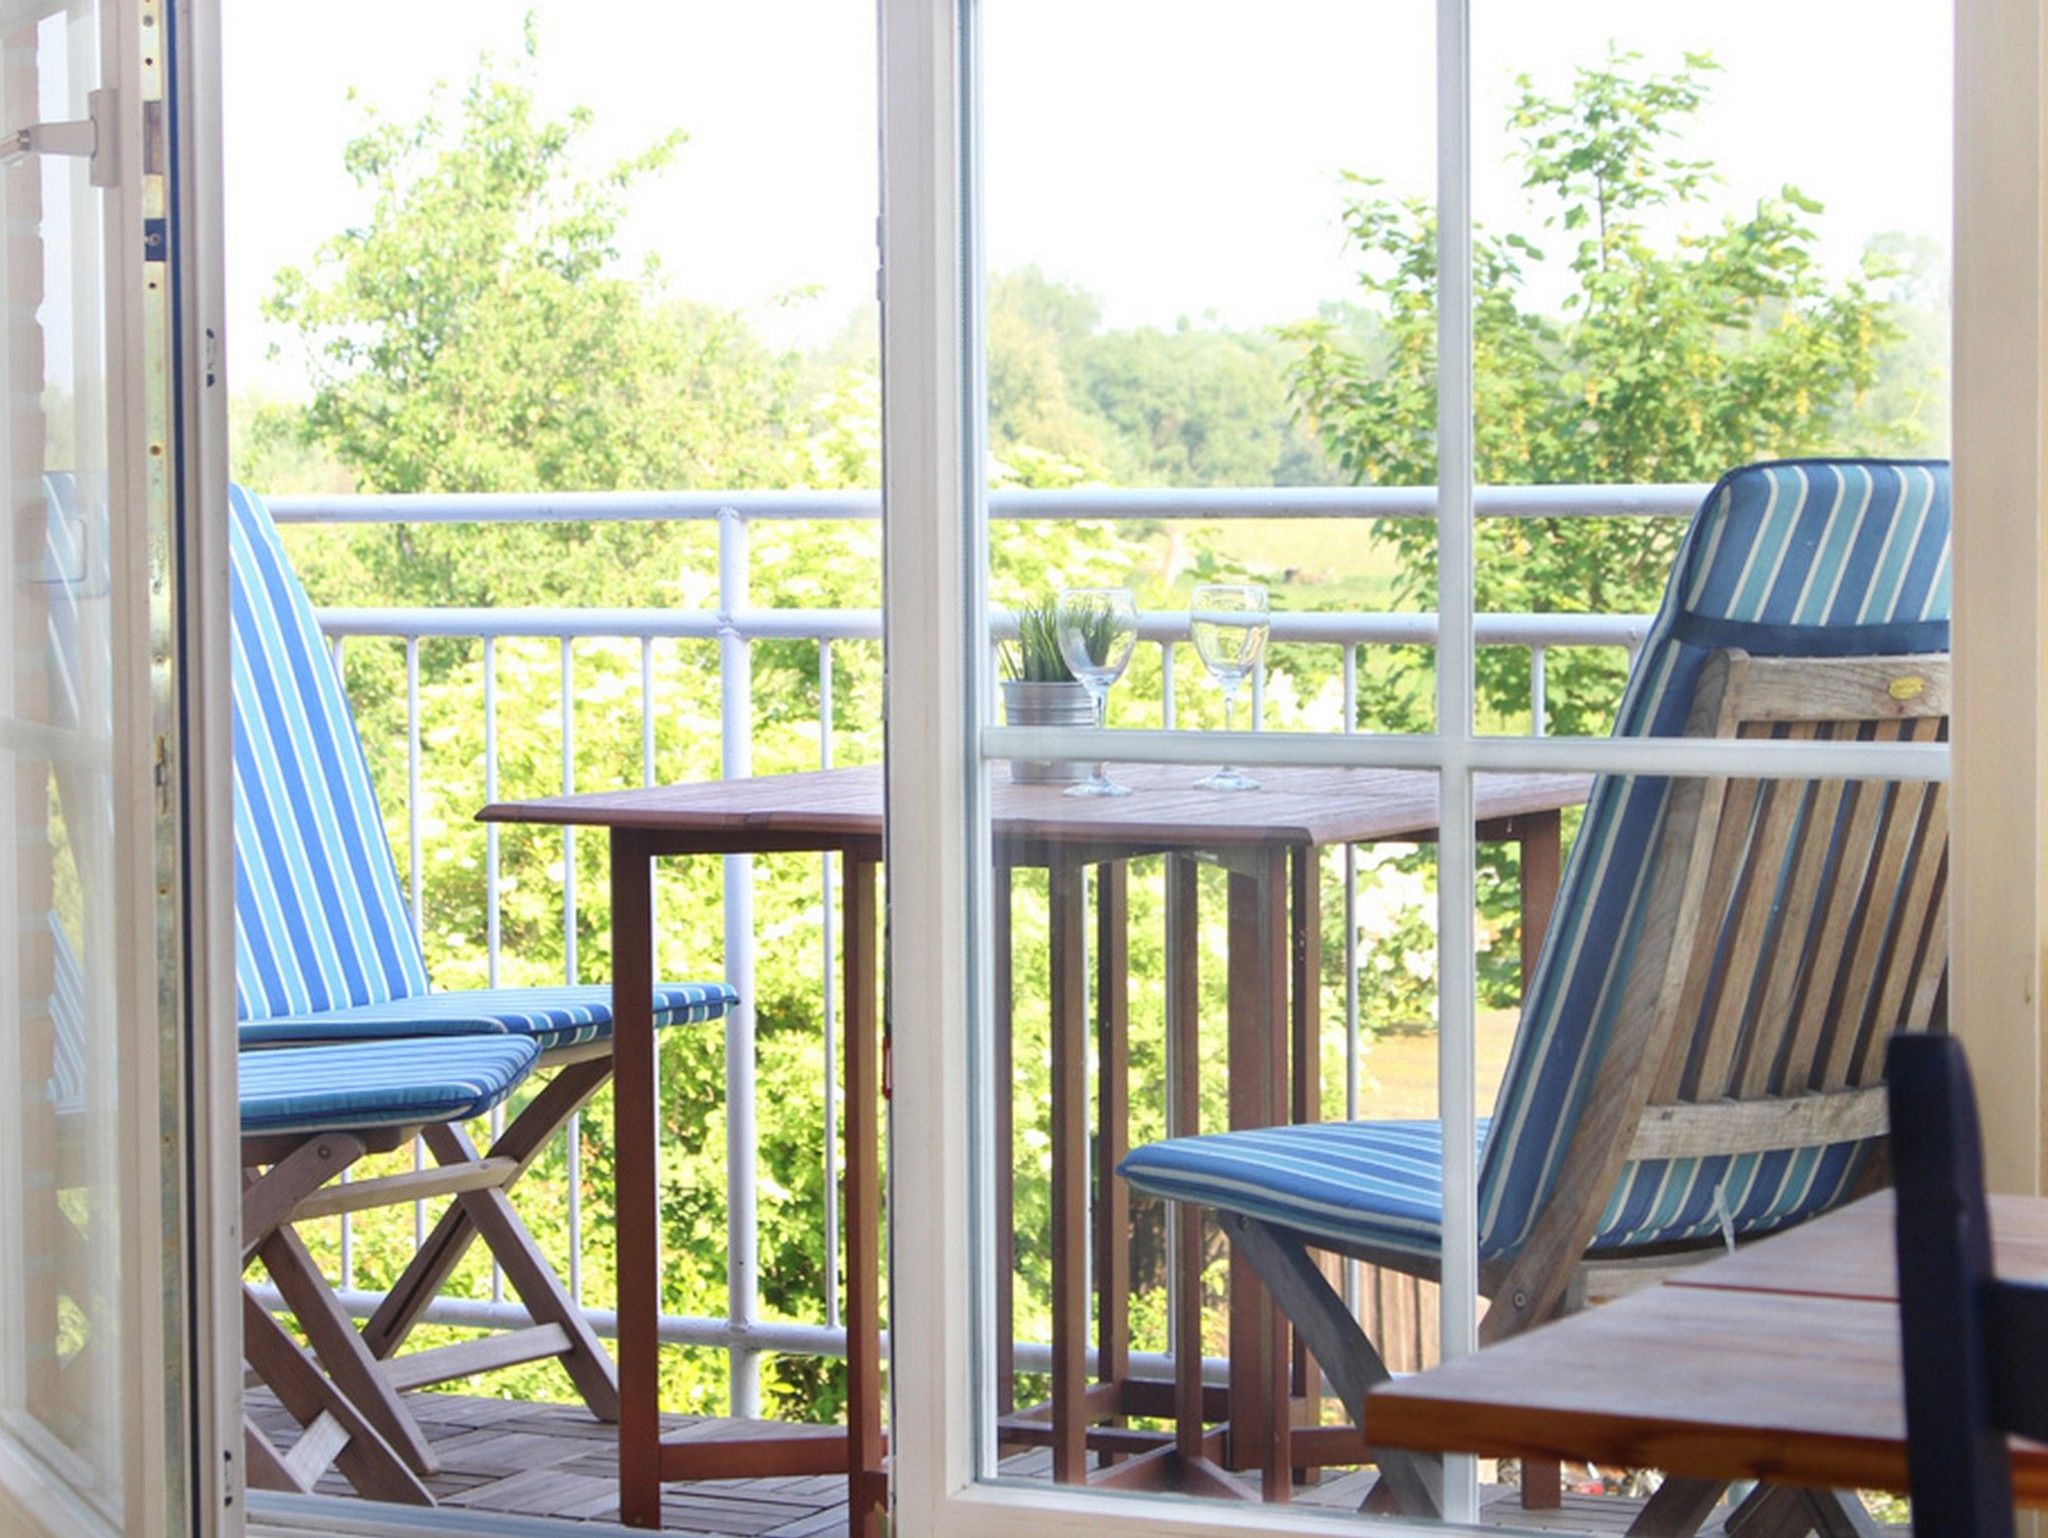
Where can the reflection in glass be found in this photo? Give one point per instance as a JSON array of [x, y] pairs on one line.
[[62, 1341], [1098, 626], [1229, 624]]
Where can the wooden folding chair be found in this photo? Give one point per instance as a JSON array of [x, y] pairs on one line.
[[326, 952], [1697, 1057], [309, 1114]]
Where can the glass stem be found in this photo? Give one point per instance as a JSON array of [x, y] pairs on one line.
[[1101, 724], [1229, 710]]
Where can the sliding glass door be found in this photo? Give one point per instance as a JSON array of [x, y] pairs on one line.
[[1419, 335]]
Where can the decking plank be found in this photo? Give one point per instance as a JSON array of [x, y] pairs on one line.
[[556, 1461]]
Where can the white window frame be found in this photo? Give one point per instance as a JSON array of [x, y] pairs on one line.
[[934, 562]]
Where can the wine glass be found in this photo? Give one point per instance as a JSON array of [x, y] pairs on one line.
[[1229, 622], [1097, 628]]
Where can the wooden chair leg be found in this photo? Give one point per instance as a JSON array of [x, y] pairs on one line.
[[334, 1339], [268, 1199], [1678, 1508], [266, 1466], [337, 1433], [1792, 1511], [1414, 1481], [427, 1273], [1840, 1514], [500, 1227]]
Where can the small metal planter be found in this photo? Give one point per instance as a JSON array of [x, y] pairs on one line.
[[1039, 704]]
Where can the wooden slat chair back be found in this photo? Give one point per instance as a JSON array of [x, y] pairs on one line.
[[1792, 926]]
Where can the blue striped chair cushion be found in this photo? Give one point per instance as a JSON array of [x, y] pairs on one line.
[[1379, 1184], [317, 1088], [73, 564], [1798, 558], [320, 922], [324, 945], [553, 1017], [380, 1084], [67, 1023]]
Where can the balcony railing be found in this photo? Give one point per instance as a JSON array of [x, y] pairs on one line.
[[735, 624]]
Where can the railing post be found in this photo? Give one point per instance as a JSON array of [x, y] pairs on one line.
[[736, 724]]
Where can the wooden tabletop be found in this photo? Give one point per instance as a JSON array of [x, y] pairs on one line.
[[1780, 1362], [1304, 807], [1848, 1254]]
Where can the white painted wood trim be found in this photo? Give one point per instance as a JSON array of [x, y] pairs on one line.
[[215, 1359], [931, 657], [1998, 940]]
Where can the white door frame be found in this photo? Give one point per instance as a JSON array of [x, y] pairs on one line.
[[1998, 819], [179, 1197], [213, 1242], [933, 564]]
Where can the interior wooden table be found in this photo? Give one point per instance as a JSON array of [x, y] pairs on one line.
[[1779, 1362], [1265, 839]]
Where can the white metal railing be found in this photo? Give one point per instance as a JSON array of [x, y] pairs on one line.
[[735, 624]]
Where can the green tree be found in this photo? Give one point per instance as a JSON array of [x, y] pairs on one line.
[[1198, 405], [477, 333], [1680, 350], [1685, 342]]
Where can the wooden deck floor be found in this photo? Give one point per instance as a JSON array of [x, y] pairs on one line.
[[545, 1460]]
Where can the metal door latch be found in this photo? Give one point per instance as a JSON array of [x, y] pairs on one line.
[[87, 136]]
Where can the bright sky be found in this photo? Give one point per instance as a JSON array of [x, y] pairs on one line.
[[1176, 157]]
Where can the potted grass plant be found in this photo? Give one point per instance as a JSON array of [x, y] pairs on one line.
[[1039, 689]]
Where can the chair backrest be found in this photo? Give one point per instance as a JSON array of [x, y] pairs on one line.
[[1809, 917], [1974, 1348], [320, 918], [1795, 559]]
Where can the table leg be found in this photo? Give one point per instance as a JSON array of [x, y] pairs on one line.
[[867, 1482], [1066, 881], [1258, 1098], [1183, 1119], [1112, 1138], [1542, 841], [1003, 1134], [635, 1133], [1305, 993]]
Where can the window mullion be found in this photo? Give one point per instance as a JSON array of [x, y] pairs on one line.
[[1456, 1000]]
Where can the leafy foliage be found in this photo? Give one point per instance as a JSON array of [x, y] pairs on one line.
[[1686, 343], [1035, 657], [478, 333]]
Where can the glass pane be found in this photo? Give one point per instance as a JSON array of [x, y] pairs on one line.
[[1189, 308], [1694, 251], [62, 1367], [647, 240]]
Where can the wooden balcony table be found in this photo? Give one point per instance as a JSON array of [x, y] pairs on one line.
[[1778, 1362], [1266, 840]]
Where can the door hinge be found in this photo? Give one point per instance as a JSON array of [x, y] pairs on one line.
[[91, 136]]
